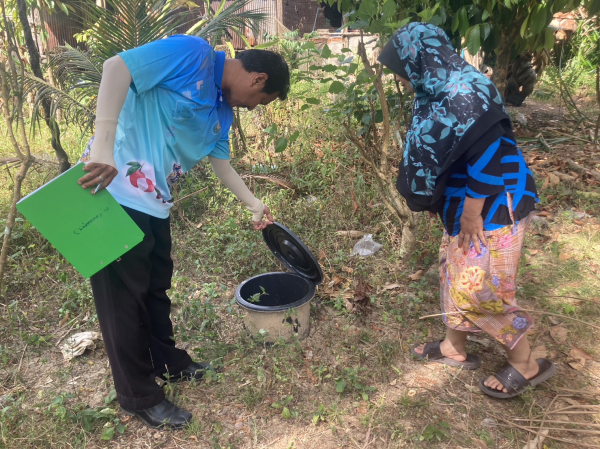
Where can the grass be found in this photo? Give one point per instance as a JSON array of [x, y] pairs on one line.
[[353, 380]]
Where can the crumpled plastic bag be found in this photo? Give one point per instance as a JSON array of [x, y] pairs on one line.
[[76, 344], [366, 246]]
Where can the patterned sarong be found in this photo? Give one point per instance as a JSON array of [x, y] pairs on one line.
[[478, 290]]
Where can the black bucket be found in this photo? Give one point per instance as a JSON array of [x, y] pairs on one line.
[[277, 305]]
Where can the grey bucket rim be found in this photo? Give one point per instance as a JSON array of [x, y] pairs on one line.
[[293, 305]]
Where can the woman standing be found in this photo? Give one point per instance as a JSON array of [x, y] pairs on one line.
[[461, 162]]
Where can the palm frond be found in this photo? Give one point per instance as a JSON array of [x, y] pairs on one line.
[[74, 68], [232, 16], [73, 105], [132, 23]]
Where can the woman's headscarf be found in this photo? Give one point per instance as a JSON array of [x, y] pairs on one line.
[[457, 112]]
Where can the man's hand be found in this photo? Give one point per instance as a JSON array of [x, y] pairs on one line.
[[260, 225], [99, 176]]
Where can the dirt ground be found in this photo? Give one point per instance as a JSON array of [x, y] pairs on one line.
[[389, 400]]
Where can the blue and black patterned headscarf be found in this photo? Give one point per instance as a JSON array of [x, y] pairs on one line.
[[457, 112]]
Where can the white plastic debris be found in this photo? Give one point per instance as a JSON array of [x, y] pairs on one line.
[[521, 119], [76, 344], [366, 246]]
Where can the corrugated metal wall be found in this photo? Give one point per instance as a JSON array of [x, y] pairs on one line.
[[282, 15], [61, 29]]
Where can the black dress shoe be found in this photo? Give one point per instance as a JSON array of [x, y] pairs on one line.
[[195, 370], [162, 416]]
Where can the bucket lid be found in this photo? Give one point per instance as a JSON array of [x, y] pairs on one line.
[[292, 253]]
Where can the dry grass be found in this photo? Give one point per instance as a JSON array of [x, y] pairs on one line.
[[389, 401]]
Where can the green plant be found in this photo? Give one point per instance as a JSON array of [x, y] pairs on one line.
[[282, 405], [321, 372], [351, 380], [197, 316], [229, 17], [88, 418], [320, 414], [255, 298], [437, 431], [485, 437]]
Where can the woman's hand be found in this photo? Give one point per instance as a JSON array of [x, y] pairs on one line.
[[99, 176], [260, 225], [471, 230], [471, 225]]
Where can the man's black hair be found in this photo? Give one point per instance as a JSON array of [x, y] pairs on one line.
[[273, 64]]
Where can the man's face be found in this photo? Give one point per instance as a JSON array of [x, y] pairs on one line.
[[248, 92]]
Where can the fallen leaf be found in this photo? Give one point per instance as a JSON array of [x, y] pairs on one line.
[[559, 334], [564, 177], [349, 306], [351, 233], [348, 270], [417, 276], [363, 408], [354, 203], [545, 184], [554, 180], [538, 440], [361, 300], [336, 281], [577, 364], [577, 222], [564, 256], [62, 322], [533, 252], [394, 382], [391, 286], [578, 353], [199, 225], [543, 214], [539, 352], [571, 401], [322, 255]]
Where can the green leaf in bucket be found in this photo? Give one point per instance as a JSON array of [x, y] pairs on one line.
[[255, 298]]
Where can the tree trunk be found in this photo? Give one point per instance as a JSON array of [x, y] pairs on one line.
[[502, 62], [24, 156], [375, 151], [34, 59]]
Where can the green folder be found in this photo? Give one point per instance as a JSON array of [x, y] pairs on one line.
[[90, 231]]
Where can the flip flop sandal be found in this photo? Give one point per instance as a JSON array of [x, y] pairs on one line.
[[515, 383], [433, 353]]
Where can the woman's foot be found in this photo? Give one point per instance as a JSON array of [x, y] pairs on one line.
[[527, 369], [449, 350]]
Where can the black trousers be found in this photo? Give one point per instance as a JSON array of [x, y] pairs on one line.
[[134, 314]]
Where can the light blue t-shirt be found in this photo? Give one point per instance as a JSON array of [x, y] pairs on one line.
[[174, 116]]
